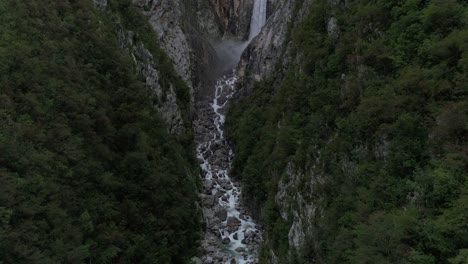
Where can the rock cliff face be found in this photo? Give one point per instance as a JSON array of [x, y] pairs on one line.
[[295, 203], [234, 16], [270, 48], [185, 30], [167, 101], [266, 57], [100, 4]]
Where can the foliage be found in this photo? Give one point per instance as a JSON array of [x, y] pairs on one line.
[[389, 97], [89, 173]]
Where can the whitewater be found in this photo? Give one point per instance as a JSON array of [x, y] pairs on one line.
[[232, 236]]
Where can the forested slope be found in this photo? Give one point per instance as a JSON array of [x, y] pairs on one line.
[[369, 125], [88, 171]]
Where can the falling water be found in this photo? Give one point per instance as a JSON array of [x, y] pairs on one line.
[[258, 18], [230, 50], [231, 236]]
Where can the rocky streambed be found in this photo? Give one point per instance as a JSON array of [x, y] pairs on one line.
[[231, 234]]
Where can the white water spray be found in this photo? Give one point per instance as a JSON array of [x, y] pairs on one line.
[[227, 219], [258, 18], [230, 51]]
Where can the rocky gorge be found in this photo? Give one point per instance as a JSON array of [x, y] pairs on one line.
[[234, 131], [231, 235], [219, 32]]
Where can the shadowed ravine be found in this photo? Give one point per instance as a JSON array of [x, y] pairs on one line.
[[231, 234]]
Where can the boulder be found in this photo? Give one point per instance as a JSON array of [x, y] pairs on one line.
[[220, 212], [233, 224], [240, 249], [226, 240], [208, 200], [225, 184], [209, 260], [208, 185], [196, 260]]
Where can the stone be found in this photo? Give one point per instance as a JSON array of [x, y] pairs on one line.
[[264, 54], [208, 185], [219, 256], [209, 260], [210, 249], [214, 222], [208, 200], [220, 212], [196, 260], [100, 4], [332, 28], [240, 249], [233, 224], [225, 184], [234, 16], [226, 240], [143, 62]]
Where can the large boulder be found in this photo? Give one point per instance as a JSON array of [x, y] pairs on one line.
[[233, 224], [196, 260], [220, 212], [208, 200]]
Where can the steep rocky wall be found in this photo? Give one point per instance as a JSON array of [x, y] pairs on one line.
[[234, 16], [270, 48], [185, 30], [167, 101], [266, 58], [325, 135]]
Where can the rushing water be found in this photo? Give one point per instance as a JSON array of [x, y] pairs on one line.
[[238, 230], [232, 235], [258, 18]]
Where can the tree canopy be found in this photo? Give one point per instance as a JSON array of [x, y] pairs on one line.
[[386, 95], [88, 171]]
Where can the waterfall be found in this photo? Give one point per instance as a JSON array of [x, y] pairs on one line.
[[230, 51], [258, 18], [232, 235]]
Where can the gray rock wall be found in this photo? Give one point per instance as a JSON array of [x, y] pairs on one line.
[[268, 56], [270, 48], [166, 98], [297, 204], [185, 29], [234, 16]]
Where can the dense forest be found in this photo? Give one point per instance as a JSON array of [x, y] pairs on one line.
[[371, 111], [377, 108], [88, 170]]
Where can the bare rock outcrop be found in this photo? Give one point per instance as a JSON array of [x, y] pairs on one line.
[[185, 30], [234, 16], [270, 47]]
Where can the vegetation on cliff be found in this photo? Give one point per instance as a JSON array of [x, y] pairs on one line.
[[378, 109], [88, 172]]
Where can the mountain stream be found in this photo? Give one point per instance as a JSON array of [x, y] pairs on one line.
[[231, 234]]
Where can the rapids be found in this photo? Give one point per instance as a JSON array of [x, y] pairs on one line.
[[232, 236]]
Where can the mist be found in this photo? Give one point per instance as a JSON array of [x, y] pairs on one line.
[[229, 53]]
